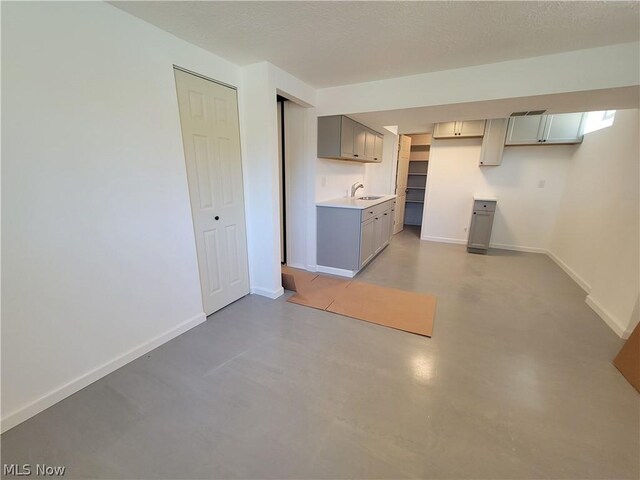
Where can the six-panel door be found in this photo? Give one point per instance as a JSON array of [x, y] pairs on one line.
[[211, 140]]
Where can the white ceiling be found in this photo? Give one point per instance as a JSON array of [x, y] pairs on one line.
[[336, 43], [421, 119]]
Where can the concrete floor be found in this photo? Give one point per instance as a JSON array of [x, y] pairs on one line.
[[517, 382]]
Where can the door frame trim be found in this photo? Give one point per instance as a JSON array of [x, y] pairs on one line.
[[204, 77]]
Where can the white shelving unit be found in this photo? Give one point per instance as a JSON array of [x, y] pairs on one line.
[[417, 178]]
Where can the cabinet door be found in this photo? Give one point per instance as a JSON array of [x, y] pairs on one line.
[[445, 130], [525, 130], [378, 148], [367, 241], [387, 222], [480, 231], [369, 144], [493, 141], [378, 226], [563, 128], [471, 128], [347, 141], [359, 142]]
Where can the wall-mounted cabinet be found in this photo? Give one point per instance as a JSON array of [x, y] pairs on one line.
[[493, 142], [558, 129], [342, 138], [463, 129]]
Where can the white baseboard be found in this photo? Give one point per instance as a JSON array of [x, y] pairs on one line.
[[518, 248], [54, 396], [569, 271], [308, 268], [503, 246], [296, 265], [608, 317], [455, 241], [264, 292], [336, 271]]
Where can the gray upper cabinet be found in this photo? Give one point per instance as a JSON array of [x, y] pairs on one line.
[[378, 148], [370, 144], [342, 138], [445, 130], [564, 128], [493, 142], [525, 130], [468, 128], [471, 128], [347, 136]]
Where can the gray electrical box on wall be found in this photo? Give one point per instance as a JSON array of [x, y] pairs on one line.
[[481, 224]]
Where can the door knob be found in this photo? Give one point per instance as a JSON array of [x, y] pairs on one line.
[[216, 217]]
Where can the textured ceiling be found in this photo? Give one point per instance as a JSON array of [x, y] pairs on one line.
[[335, 43]]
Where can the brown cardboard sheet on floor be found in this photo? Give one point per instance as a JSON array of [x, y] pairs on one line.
[[407, 311], [292, 277], [628, 359], [390, 307], [319, 292]]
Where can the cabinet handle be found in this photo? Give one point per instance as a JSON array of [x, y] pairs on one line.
[[371, 213], [216, 217], [544, 140], [355, 155], [385, 214], [375, 158], [474, 213]]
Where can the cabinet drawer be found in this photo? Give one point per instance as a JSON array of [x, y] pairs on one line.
[[484, 205], [368, 213], [377, 210]]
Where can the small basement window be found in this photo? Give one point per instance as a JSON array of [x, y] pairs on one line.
[[598, 120]]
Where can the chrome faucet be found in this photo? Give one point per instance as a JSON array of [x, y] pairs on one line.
[[355, 187]]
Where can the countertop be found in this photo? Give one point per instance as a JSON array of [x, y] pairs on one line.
[[485, 199], [354, 202]]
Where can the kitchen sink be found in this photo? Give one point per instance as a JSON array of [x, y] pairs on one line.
[[369, 198]]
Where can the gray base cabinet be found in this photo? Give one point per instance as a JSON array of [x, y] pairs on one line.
[[349, 238], [481, 225]]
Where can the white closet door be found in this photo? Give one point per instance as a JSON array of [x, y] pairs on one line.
[[211, 138]]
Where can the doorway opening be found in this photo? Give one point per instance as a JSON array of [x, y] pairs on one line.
[[293, 190], [411, 179], [282, 155]]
